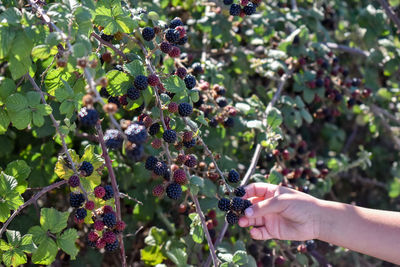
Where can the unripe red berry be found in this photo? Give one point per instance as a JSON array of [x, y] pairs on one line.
[[98, 225], [120, 226], [276, 152], [101, 243], [156, 143], [172, 107], [285, 155], [181, 30], [153, 80], [180, 177], [107, 209], [175, 52], [182, 208], [180, 159], [158, 190], [210, 225], [99, 191], [93, 236], [212, 214], [109, 237], [89, 205], [187, 136]]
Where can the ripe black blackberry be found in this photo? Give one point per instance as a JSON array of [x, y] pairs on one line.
[[111, 247], [181, 72], [148, 34], [185, 109], [165, 47], [135, 153], [231, 217], [109, 220], [104, 93], [160, 168], [270, 157], [109, 192], [154, 128], [250, 9], [172, 36], [136, 133], [182, 40], [88, 116], [233, 176], [221, 101], [246, 204], [107, 38], [296, 40], [115, 100], [190, 81], [76, 200], [235, 10], [141, 82], [197, 68], [74, 181], [174, 191], [175, 23], [91, 243], [191, 161], [224, 204], [133, 93], [190, 143], [310, 245], [80, 214], [240, 191], [167, 175], [229, 122], [113, 139], [237, 204], [151, 162], [86, 168], [228, 2], [319, 82], [169, 136], [213, 122]]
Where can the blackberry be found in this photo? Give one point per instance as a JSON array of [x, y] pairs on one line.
[[86, 168], [167, 176], [104, 93], [174, 191], [190, 81], [221, 101], [114, 100], [109, 192], [109, 220], [165, 47], [76, 200], [109, 237], [123, 100], [197, 68], [89, 205], [136, 133], [233, 176], [310, 245], [237, 204], [169, 136], [190, 161], [112, 247], [296, 40], [148, 34], [172, 36], [187, 136], [240, 191], [185, 109], [182, 40], [151, 162], [91, 243], [153, 80], [221, 91], [141, 82], [213, 122], [160, 168], [250, 9], [355, 82], [229, 123], [99, 191], [231, 217], [319, 83], [107, 38], [135, 153], [270, 157], [120, 226], [181, 72], [74, 181], [81, 214], [190, 143], [228, 2], [88, 116], [175, 52], [175, 23], [98, 225], [118, 68], [235, 10], [224, 204], [246, 204], [113, 139], [158, 190], [180, 176], [154, 129], [133, 93]]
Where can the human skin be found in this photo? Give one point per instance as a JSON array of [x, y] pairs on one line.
[[282, 213]]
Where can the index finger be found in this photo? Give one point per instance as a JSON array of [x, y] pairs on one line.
[[264, 190]]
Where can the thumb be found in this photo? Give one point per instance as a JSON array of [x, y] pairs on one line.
[[270, 205]]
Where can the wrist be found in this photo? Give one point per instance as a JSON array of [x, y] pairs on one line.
[[325, 218]]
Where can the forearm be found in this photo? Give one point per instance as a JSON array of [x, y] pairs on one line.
[[372, 232]]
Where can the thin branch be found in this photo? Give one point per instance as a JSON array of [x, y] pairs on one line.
[[390, 116], [386, 125], [123, 195], [115, 188], [110, 45], [390, 13], [347, 49], [32, 200]]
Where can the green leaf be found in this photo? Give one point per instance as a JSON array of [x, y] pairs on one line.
[[7, 36], [27, 244], [196, 230], [53, 220], [195, 184], [46, 252], [16, 102], [14, 257], [274, 117], [41, 52], [135, 68], [178, 256], [156, 237], [152, 255], [308, 95], [20, 119], [240, 257], [11, 16], [7, 87], [275, 177], [306, 115], [66, 241], [11, 199], [4, 121], [38, 234], [61, 168], [118, 82], [255, 124], [55, 80], [13, 237], [20, 59], [19, 169], [174, 84]]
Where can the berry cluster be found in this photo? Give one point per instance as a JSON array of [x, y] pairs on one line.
[[234, 207], [243, 7]]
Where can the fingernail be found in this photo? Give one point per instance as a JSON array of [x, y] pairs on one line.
[[249, 212]]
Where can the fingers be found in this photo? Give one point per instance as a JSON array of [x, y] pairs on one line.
[[260, 233], [246, 222], [267, 206], [264, 190], [254, 200]]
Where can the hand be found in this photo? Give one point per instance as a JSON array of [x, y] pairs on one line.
[[280, 213]]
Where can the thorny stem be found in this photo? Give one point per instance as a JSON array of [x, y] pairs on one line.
[[389, 11], [110, 45], [115, 188]]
